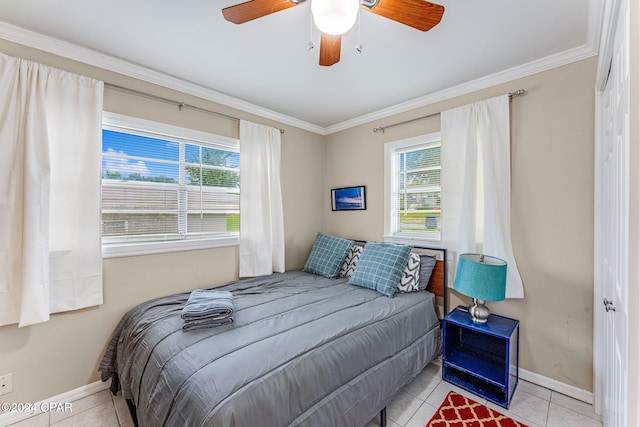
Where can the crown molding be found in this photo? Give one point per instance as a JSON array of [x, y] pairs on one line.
[[91, 57], [534, 67]]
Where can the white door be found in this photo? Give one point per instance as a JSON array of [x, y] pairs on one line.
[[612, 228]]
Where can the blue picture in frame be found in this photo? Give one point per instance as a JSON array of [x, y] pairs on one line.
[[348, 199]]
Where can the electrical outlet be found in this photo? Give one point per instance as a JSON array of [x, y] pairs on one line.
[[6, 384]]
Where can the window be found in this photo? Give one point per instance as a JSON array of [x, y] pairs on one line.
[[166, 188], [413, 199]]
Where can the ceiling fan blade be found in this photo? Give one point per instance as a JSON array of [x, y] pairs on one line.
[[329, 49], [250, 10], [418, 14]]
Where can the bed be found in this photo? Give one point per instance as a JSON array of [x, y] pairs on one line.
[[302, 350]]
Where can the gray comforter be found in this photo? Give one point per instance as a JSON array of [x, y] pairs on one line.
[[303, 350]]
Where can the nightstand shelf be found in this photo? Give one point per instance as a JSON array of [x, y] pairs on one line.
[[481, 357], [492, 371]]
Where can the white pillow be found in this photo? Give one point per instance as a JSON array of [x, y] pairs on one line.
[[350, 262], [411, 276]]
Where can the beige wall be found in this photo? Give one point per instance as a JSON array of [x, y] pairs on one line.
[[552, 157], [64, 353], [552, 202]]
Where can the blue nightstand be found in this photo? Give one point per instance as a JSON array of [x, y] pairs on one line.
[[481, 357]]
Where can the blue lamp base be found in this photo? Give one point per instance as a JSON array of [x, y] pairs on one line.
[[478, 311]]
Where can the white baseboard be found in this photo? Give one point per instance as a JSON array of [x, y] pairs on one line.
[[8, 418], [89, 389], [551, 384]]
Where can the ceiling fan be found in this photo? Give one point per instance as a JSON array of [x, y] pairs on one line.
[[335, 17]]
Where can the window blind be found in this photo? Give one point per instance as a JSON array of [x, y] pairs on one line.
[[158, 187], [416, 190]]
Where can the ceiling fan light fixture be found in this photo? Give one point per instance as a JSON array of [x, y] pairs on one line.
[[334, 17]]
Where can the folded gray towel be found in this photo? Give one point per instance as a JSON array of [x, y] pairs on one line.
[[206, 323], [206, 304]]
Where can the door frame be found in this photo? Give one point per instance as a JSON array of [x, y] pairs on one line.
[[605, 54], [610, 20]]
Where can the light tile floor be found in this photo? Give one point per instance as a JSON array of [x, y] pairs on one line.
[[413, 407]]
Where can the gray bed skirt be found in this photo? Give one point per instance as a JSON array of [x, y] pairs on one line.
[[303, 350]]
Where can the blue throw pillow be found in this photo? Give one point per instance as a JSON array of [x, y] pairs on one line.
[[327, 255], [381, 266]]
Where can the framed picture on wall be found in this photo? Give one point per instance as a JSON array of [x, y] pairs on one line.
[[348, 199]]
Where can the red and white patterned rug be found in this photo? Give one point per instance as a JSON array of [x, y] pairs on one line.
[[459, 411]]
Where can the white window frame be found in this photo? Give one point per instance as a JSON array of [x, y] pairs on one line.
[[132, 245], [392, 235]]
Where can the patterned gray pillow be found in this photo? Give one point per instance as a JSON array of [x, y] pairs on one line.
[[350, 262], [409, 282]]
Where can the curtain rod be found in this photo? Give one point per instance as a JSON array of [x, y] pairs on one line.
[[519, 92], [179, 104]]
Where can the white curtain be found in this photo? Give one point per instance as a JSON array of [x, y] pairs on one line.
[[50, 141], [476, 185], [261, 218]]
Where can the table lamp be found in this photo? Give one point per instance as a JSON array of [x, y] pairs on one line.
[[483, 278]]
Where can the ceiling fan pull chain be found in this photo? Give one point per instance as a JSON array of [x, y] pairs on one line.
[[311, 44], [359, 45]]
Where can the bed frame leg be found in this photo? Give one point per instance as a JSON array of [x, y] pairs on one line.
[[133, 412], [383, 417]]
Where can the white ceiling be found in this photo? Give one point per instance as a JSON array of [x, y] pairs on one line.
[[263, 66]]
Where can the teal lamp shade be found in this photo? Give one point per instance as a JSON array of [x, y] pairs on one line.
[[483, 278]]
